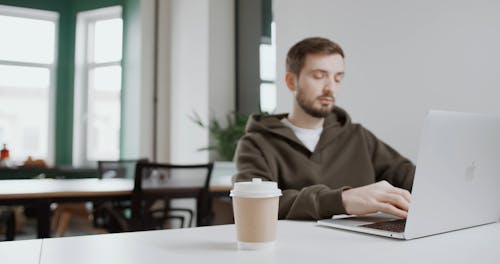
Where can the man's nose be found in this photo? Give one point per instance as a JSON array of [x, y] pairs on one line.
[[330, 88], [327, 90]]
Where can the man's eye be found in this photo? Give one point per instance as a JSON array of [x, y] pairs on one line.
[[318, 75], [339, 78]]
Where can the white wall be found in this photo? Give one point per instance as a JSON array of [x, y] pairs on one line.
[[189, 79], [196, 74], [222, 89], [402, 58]]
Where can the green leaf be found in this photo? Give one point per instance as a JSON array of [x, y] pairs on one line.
[[226, 138]]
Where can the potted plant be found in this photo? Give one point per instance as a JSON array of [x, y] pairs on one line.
[[225, 137]]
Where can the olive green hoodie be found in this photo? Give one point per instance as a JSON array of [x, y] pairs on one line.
[[347, 156]]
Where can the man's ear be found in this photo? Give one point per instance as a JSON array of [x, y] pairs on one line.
[[291, 81]]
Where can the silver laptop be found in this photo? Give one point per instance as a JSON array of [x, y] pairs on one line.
[[456, 184]]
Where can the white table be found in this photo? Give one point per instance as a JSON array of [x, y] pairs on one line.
[[298, 242], [20, 252]]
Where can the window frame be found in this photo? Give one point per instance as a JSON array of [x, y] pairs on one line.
[[268, 40], [52, 16], [85, 23]]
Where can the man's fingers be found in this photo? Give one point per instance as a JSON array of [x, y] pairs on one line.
[[392, 210], [396, 200], [405, 193], [380, 196], [387, 187]]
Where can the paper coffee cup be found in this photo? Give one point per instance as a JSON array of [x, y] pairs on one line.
[[255, 206]]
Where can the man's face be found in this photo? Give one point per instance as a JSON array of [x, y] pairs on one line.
[[318, 83]]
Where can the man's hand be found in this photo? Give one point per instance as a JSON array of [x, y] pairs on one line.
[[377, 197]]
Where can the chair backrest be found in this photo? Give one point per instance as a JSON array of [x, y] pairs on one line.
[[156, 181], [118, 168]]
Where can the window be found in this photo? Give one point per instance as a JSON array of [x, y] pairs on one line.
[[268, 92], [98, 74], [27, 82]]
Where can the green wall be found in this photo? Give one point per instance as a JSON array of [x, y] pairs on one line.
[[67, 10]]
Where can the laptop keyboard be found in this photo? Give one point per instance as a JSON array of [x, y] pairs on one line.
[[396, 226]]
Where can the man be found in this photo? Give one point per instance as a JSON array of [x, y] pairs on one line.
[[324, 164]]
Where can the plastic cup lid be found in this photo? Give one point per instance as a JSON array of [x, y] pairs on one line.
[[255, 189]]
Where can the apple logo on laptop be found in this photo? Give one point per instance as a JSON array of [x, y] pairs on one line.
[[470, 171]]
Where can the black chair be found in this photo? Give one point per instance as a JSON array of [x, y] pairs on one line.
[[8, 218], [124, 168], [100, 214], [109, 215], [163, 182]]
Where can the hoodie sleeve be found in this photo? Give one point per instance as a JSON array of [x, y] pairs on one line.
[[309, 203], [388, 164]]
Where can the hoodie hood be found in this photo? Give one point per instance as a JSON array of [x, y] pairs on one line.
[[334, 124]]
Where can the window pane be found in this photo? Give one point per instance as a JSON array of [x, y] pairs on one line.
[[267, 62], [24, 111], [103, 123], [19, 76], [107, 78], [108, 40], [28, 40], [268, 97]]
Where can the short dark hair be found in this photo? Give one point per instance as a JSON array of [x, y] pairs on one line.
[[316, 45]]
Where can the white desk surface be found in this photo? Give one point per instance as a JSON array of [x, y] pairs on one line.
[[20, 252], [49, 188], [298, 242]]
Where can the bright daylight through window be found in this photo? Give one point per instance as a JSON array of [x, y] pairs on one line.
[[268, 93], [27, 82], [98, 85]]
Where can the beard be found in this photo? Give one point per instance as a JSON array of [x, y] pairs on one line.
[[308, 105]]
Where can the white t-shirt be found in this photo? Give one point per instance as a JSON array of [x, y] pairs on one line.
[[309, 137]]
